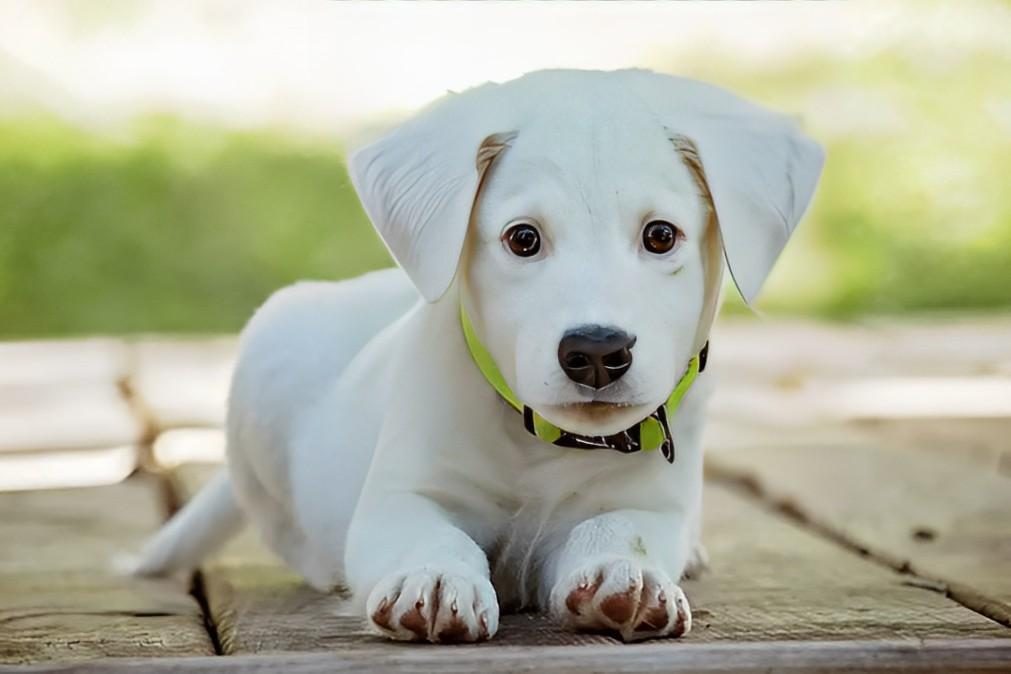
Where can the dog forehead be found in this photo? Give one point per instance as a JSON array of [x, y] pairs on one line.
[[583, 141], [594, 151]]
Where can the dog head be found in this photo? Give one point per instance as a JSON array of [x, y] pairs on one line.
[[588, 214]]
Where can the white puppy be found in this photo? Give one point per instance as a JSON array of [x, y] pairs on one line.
[[576, 223]]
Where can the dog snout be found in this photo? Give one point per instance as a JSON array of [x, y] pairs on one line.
[[594, 355]]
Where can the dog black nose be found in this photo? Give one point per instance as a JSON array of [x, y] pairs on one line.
[[594, 355]]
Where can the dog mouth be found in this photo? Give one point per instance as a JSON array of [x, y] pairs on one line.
[[597, 417], [596, 409]]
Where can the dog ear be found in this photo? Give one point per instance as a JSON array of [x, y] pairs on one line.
[[760, 169], [418, 184]]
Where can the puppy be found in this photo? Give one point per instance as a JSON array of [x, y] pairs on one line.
[[513, 420]]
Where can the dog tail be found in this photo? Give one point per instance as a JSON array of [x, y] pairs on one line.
[[200, 528]]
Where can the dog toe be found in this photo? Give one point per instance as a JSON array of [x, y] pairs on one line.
[[426, 605], [621, 597]]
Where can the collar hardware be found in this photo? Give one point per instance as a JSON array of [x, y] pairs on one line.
[[652, 433]]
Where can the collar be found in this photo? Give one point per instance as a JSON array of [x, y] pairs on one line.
[[651, 433]]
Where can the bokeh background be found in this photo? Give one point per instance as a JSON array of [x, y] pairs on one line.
[[164, 166]]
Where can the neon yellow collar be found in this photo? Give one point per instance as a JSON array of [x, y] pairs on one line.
[[650, 434]]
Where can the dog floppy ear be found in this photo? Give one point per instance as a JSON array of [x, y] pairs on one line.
[[760, 169], [418, 184]]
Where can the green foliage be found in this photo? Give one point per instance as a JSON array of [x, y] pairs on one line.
[[176, 227], [914, 209]]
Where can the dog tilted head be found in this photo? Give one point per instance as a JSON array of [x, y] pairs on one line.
[[589, 210]]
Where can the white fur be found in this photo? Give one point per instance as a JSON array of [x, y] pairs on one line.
[[366, 447]]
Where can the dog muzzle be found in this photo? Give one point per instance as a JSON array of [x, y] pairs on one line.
[[650, 434]]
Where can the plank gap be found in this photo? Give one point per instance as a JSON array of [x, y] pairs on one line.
[[173, 501], [751, 486], [199, 592]]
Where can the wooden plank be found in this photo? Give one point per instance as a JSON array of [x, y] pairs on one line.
[[74, 468], [770, 580], [986, 442], [189, 445], [753, 658], [784, 350], [183, 382], [981, 441], [54, 363], [936, 515], [59, 395], [798, 374], [54, 417], [60, 597]]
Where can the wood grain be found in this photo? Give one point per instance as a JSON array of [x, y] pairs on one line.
[[936, 515], [774, 657], [770, 579], [60, 597]]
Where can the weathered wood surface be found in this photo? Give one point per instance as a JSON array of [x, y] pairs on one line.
[[986, 442], [770, 580], [81, 415], [70, 468], [60, 596], [782, 350], [64, 395], [58, 363], [189, 445], [183, 382], [784, 375], [748, 658], [818, 456], [939, 516]]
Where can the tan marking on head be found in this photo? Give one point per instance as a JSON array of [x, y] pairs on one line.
[[712, 244], [490, 148]]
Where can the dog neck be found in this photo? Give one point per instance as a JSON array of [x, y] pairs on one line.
[[652, 433]]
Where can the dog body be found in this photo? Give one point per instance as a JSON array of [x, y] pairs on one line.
[[559, 212]]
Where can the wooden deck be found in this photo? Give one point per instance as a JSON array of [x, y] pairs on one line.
[[858, 517]]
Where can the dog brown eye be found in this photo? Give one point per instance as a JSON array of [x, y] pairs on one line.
[[659, 237], [523, 240]]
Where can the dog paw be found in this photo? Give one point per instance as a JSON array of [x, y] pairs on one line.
[[619, 595], [435, 606]]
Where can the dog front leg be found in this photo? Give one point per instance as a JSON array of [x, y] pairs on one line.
[[618, 572], [424, 578]]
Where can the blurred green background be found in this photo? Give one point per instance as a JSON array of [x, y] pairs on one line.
[[164, 223]]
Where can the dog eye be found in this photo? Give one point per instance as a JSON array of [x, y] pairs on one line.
[[522, 240], [660, 237]]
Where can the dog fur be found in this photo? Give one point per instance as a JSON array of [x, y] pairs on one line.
[[368, 450]]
